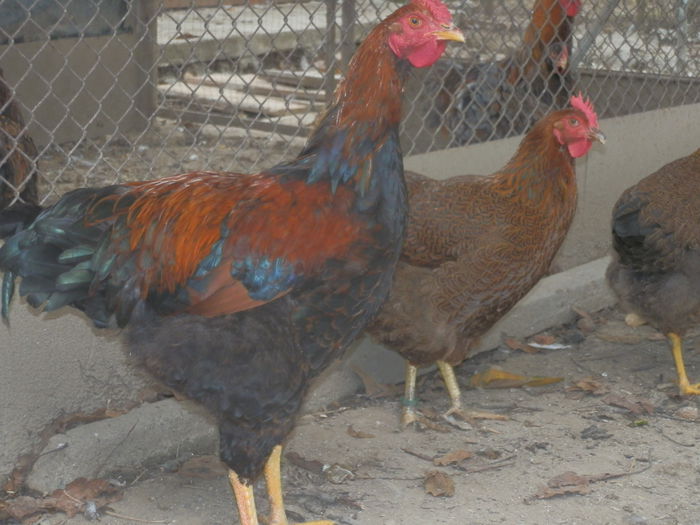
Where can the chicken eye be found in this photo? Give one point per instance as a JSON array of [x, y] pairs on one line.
[[415, 21], [574, 122]]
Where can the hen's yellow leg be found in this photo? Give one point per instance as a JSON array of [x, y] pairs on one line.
[[448, 376], [684, 385], [408, 412], [274, 491], [244, 500]]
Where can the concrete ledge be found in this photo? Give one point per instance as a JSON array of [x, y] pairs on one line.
[[144, 437], [153, 433]]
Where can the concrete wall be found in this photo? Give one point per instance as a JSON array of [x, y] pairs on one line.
[[55, 365], [86, 87]]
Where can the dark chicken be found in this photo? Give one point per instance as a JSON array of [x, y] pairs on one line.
[[656, 241], [236, 290], [18, 175], [476, 102], [476, 244]]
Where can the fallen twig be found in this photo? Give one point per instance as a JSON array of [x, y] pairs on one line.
[[673, 440], [572, 483], [418, 455], [505, 462], [98, 468], [138, 520]]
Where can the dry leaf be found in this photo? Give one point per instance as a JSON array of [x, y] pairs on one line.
[[338, 474], [18, 476], [23, 506], [70, 500], [548, 492], [514, 344], [635, 405], [588, 385], [573, 483], [358, 434], [566, 483], [544, 339], [567, 478], [438, 483], [497, 378], [203, 467], [453, 457], [312, 465]]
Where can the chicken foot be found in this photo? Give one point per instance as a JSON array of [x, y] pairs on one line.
[[245, 499], [246, 502], [448, 376], [411, 416], [683, 384]]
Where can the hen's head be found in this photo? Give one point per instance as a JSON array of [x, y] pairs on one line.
[[419, 32], [577, 127], [571, 7]]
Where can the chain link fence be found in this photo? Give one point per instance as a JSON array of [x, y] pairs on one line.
[[116, 90]]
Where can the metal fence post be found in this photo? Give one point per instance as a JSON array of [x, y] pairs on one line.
[[682, 36], [330, 47], [347, 42]]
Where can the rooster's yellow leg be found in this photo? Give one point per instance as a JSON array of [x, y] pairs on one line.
[[684, 385], [448, 376], [273, 480], [244, 499]]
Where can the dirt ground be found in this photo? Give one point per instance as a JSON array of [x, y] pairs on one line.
[[631, 441]]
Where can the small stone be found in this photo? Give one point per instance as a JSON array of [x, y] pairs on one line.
[[689, 413]]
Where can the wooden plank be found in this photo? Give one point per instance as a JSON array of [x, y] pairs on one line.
[[191, 4], [225, 99], [256, 85], [310, 79], [229, 120]]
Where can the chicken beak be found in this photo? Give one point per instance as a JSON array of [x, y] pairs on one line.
[[449, 33], [596, 134]]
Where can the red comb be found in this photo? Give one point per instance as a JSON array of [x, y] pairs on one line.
[[586, 107], [437, 9]]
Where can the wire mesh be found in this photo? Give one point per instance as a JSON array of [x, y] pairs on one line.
[[117, 90]]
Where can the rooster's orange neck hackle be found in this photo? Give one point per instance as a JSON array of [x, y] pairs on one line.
[[361, 125]]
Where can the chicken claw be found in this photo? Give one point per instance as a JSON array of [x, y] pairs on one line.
[[686, 389], [448, 376]]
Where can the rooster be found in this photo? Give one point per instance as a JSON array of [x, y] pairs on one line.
[[476, 102], [18, 175], [476, 244], [656, 240], [235, 290]]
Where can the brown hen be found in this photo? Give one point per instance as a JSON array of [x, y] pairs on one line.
[[656, 239], [477, 244]]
